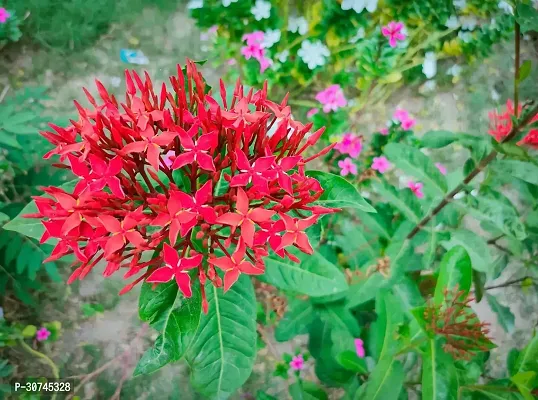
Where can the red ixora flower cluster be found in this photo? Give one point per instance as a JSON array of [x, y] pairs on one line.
[[501, 125], [194, 183]]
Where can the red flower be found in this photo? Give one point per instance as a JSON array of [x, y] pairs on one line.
[[501, 125], [234, 265], [230, 187], [176, 267], [245, 218]]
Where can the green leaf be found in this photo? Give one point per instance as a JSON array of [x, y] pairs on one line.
[[455, 270], [296, 320], [9, 139], [351, 361], [528, 358], [476, 247], [494, 393], [527, 17], [306, 390], [338, 192], [264, 396], [479, 281], [339, 317], [377, 223], [412, 161], [524, 382], [439, 380], [178, 324], [314, 276], [504, 316], [386, 381], [408, 293], [29, 331], [523, 170], [153, 303], [438, 139], [383, 342], [223, 352], [403, 200], [365, 290]]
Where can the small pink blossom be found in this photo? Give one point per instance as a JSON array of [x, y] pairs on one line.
[[210, 34], [359, 348], [393, 31], [381, 164], [255, 37], [4, 15], [253, 50], [264, 64], [441, 168], [231, 61], [312, 112], [406, 121], [42, 334], [384, 131], [416, 188], [347, 167], [332, 98], [350, 144], [297, 363], [169, 158]]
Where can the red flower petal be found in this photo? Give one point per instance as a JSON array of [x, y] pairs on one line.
[[230, 277], [161, 275], [184, 282]]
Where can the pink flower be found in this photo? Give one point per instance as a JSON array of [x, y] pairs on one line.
[[297, 363], [441, 168], [42, 334], [381, 164], [264, 64], [350, 144], [252, 50], [231, 61], [253, 38], [384, 131], [312, 112], [347, 166], [332, 98], [4, 15], [393, 31], [359, 348], [406, 121], [416, 188]]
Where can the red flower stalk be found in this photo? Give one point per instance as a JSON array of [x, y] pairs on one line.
[[456, 322], [501, 125], [198, 184]]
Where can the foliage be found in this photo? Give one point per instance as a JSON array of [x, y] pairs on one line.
[[9, 26]]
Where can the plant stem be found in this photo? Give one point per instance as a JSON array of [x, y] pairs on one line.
[[479, 168], [509, 283], [516, 64], [46, 360]]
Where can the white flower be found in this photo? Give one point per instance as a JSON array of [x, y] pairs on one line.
[[466, 37], [429, 66], [495, 96], [298, 25], [313, 54], [460, 195], [194, 4], [283, 57], [226, 3], [358, 36], [270, 37], [261, 10], [359, 5], [452, 22], [468, 22], [460, 3], [505, 7], [454, 70]]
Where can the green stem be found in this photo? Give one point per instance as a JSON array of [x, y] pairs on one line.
[[45, 359]]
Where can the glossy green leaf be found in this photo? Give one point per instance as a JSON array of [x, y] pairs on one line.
[[408, 293], [525, 70], [476, 247], [525, 383], [365, 290], [479, 281], [351, 361], [504, 316], [455, 270], [306, 390], [386, 381], [377, 223], [9, 139], [438, 139], [412, 161], [523, 170], [439, 380], [338, 192], [527, 17], [222, 354], [296, 321], [314, 276], [528, 358], [383, 341], [152, 303], [339, 317], [404, 200], [178, 323], [490, 392]]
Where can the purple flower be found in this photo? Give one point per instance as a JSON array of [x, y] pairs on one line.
[[347, 166], [297, 363], [4, 15], [42, 334], [381, 164], [359, 348]]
